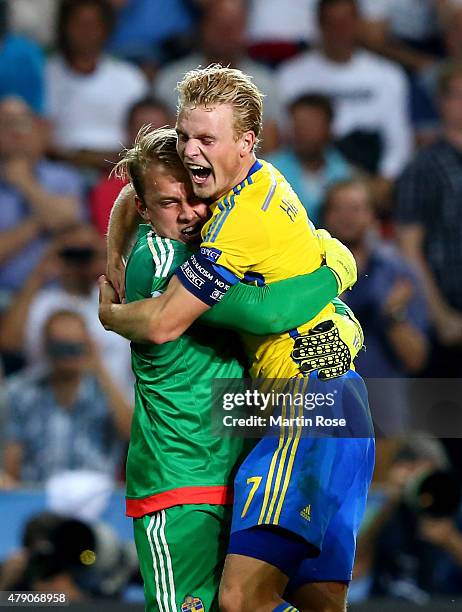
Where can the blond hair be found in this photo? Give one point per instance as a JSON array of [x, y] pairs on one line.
[[150, 147], [218, 85]]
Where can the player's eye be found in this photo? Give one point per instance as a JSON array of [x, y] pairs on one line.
[[207, 141]]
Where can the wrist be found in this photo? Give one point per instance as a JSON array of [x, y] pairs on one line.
[[452, 541], [106, 315]]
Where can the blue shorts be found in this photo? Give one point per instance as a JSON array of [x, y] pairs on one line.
[[310, 484]]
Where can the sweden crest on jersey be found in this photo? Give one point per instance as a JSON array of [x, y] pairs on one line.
[[192, 604]]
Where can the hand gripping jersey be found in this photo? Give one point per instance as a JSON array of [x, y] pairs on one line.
[[173, 458]]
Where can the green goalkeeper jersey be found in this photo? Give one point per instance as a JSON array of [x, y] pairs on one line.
[[173, 458]]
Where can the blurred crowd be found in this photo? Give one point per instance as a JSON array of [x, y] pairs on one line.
[[363, 115]]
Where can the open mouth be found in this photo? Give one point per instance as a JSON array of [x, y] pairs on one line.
[[192, 232], [199, 174]]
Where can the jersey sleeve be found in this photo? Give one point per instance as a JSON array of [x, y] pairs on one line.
[[266, 310], [234, 242], [151, 265], [235, 239]]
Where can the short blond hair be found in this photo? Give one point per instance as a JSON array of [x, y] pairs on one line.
[[218, 85], [150, 147]]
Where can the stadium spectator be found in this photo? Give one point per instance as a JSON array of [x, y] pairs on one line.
[[429, 195], [452, 38], [147, 111], [222, 40], [89, 93], [403, 30], [279, 30], [387, 298], [21, 65], [68, 415], [389, 303], [38, 197], [311, 163], [406, 31], [75, 260], [369, 93], [145, 29], [34, 19], [53, 557], [412, 540]]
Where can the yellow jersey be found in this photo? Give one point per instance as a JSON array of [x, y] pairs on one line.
[[260, 232]]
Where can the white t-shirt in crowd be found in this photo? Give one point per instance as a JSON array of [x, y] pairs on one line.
[[369, 94], [289, 21], [89, 111], [115, 350]]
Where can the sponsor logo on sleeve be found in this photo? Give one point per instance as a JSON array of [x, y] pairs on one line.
[[210, 253], [191, 276]]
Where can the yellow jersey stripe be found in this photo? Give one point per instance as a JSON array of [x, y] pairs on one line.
[[282, 462], [215, 221], [270, 194], [272, 467], [290, 465], [229, 205]]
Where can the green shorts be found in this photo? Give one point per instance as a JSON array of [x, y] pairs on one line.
[[181, 552]]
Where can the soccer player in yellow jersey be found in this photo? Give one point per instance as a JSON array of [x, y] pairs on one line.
[[298, 499]]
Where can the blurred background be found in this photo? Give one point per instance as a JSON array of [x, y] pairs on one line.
[[363, 115]]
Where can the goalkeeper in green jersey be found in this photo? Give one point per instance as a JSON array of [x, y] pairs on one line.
[[179, 476]]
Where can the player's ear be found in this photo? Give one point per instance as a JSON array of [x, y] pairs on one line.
[[248, 143], [141, 208]]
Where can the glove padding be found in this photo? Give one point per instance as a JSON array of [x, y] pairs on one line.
[[339, 259], [330, 347]]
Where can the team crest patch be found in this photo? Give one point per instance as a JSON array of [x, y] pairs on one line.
[[192, 604]]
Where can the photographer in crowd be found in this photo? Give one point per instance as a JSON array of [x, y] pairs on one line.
[[413, 542], [64, 279], [67, 415]]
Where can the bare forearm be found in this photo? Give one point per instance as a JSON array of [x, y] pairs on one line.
[[401, 53], [100, 160], [435, 300], [123, 222], [63, 210], [454, 547], [13, 240], [132, 321], [409, 344], [410, 240], [158, 320], [375, 37], [12, 459]]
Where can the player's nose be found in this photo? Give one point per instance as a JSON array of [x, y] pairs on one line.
[[187, 212], [191, 149]]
